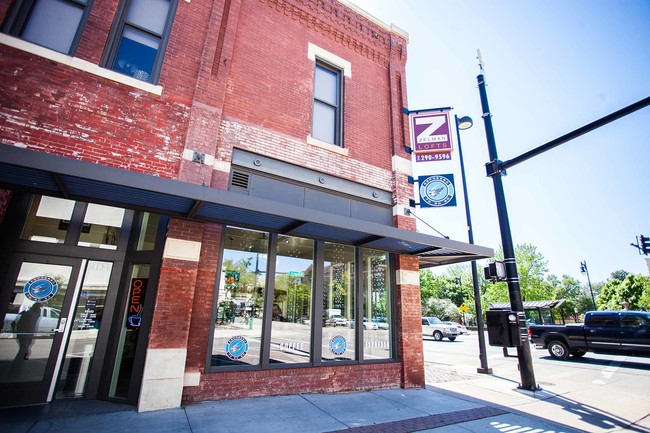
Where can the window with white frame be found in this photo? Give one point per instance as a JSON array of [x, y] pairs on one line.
[[140, 36], [330, 72], [53, 24], [328, 109]]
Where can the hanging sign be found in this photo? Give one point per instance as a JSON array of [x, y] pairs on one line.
[[430, 136], [437, 190]]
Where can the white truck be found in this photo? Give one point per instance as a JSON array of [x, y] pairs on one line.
[[434, 327], [48, 321]]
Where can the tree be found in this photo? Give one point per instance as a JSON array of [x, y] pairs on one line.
[[568, 288], [444, 309], [532, 269], [632, 289]]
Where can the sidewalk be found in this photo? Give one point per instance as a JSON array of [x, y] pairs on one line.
[[453, 403]]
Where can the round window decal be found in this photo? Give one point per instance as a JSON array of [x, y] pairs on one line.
[[338, 345], [41, 289], [236, 347]]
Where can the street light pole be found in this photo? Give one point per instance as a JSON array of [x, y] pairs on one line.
[[477, 290], [583, 268], [494, 170]]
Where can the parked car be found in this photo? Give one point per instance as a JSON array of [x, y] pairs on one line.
[[339, 321], [367, 324], [381, 322], [434, 327], [613, 332], [462, 329]]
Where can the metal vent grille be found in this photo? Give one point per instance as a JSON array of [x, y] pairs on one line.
[[240, 179]]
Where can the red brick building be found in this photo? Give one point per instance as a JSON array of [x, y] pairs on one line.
[[205, 200]]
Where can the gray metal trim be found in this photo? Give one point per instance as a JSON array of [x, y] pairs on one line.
[[264, 164], [29, 170]]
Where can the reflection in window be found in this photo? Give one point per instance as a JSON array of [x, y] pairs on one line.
[[142, 33], [148, 231], [53, 24], [376, 304], [240, 299], [338, 303], [291, 325], [101, 227], [130, 331], [85, 329], [48, 219], [326, 122]]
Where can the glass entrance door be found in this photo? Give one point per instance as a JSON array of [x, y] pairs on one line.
[[52, 311]]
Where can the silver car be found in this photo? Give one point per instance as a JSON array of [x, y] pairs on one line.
[[434, 327]]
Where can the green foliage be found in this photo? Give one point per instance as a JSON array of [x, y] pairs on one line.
[[633, 289], [532, 269], [454, 287], [444, 309]]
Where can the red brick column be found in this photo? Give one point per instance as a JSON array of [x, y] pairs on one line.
[[164, 370]]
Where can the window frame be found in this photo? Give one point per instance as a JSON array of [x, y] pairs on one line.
[[338, 108], [20, 12], [117, 31], [316, 333]]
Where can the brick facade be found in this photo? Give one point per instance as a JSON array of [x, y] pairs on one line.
[[236, 74]]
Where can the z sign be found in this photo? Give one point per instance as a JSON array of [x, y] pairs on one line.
[[430, 132]]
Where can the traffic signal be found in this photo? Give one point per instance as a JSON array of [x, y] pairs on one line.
[[644, 244]]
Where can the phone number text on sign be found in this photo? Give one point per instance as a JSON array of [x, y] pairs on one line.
[[425, 157]]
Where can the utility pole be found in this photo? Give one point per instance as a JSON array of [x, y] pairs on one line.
[[512, 278]]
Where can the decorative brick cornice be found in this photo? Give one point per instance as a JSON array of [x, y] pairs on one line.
[[328, 17]]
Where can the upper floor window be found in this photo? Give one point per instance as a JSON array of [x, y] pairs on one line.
[[54, 24], [139, 39], [328, 107]]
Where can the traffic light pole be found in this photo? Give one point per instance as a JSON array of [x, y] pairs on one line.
[[512, 278], [496, 169]]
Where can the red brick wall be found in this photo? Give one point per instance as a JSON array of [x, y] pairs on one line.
[[271, 84], [235, 74], [203, 298], [258, 383], [175, 295]]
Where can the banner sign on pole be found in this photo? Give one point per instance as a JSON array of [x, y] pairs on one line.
[[437, 190], [430, 136]]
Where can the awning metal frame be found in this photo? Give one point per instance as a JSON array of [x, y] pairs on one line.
[[39, 172]]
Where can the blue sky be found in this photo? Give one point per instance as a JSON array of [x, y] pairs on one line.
[[551, 67]]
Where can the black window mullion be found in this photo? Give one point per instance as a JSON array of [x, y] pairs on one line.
[[317, 303], [358, 319], [268, 302]]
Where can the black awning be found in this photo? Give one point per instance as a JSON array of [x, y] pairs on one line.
[[32, 171]]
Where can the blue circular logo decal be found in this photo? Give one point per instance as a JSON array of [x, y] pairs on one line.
[[41, 289], [236, 347], [437, 191], [338, 345]]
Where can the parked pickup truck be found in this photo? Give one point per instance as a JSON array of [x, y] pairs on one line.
[[614, 332]]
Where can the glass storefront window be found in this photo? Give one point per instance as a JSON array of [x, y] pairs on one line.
[[101, 228], [85, 328], [376, 304], [240, 302], [27, 331], [338, 303], [48, 219], [148, 231], [300, 332], [291, 325], [130, 331]]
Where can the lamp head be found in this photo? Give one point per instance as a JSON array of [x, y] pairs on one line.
[[465, 122]]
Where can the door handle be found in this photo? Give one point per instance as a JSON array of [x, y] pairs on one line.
[[62, 323]]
